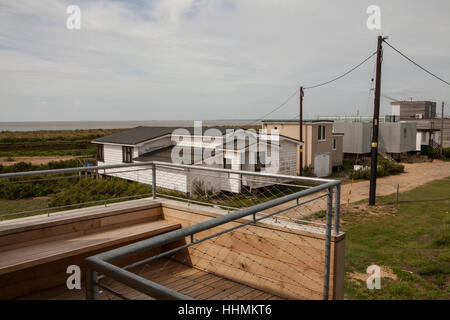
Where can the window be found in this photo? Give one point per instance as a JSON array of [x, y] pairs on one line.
[[260, 161], [100, 153], [127, 154], [226, 163], [334, 143], [321, 135]]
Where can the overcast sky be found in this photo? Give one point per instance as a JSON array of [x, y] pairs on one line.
[[217, 59]]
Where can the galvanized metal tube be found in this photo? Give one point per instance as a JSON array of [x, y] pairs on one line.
[[337, 209], [165, 164], [91, 284], [166, 253], [154, 181], [134, 281], [181, 233], [326, 277]]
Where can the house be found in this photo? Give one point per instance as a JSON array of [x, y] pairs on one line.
[[229, 149], [322, 149], [394, 138], [429, 127]]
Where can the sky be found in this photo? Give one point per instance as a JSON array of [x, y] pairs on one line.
[[216, 59]]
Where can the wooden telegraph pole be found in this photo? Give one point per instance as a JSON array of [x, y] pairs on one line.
[[375, 123], [442, 129], [301, 132]]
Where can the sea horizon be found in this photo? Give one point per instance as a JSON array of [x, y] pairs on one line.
[[82, 125]]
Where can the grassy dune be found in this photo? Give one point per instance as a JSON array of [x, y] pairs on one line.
[[411, 241], [50, 142]]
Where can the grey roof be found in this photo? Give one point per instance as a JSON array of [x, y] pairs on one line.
[[140, 134]]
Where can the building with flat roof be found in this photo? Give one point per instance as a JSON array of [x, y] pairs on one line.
[[322, 146]]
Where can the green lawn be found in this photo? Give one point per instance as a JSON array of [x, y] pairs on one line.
[[413, 240], [13, 206]]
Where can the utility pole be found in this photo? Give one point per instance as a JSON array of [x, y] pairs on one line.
[[442, 128], [375, 123], [301, 132]]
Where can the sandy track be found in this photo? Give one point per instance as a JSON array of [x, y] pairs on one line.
[[415, 175], [35, 160]]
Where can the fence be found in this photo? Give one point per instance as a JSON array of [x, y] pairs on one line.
[[248, 232]]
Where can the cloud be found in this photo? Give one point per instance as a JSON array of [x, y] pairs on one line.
[[199, 59]]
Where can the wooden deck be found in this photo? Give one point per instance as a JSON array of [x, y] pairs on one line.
[[190, 281]]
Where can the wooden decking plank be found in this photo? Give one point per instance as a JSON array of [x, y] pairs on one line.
[[252, 295], [200, 283], [207, 287], [236, 287], [190, 281], [220, 286], [35, 254], [186, 280], [190, 286], [237, 295]]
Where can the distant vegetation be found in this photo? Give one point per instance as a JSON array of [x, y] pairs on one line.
[[384, 168], [435, 154], [28, 193], [51, 142], [86, 190]]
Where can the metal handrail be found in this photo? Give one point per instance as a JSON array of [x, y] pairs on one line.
[[159, 163], [103, 262]]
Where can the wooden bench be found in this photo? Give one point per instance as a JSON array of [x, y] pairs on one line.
[[35, 256]]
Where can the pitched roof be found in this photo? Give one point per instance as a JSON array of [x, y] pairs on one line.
[[140, 134]]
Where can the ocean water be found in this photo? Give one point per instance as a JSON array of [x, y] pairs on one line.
[[74, 125]]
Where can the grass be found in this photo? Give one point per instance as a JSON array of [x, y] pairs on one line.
[[13, 206], [412, 240], [50, 142]]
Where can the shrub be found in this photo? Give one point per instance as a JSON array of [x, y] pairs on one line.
[[435, 153], [19, 188], [384, 168], [87, 190]]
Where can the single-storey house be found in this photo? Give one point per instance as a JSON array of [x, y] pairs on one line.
[[394, 138], [229, 149]]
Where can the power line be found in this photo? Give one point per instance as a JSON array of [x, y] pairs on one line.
[[311, 87], [415, 63], [277, 108], [342, 75]]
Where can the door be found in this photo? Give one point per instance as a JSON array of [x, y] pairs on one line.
[[322, 165]]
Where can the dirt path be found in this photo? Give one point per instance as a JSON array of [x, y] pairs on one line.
[[415, 175], [35, 160]]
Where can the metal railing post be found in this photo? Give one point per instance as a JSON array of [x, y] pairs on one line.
[[337, 209], [91, 284], [154, 181], [326, 277]]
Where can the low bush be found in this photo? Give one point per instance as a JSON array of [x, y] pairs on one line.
[[435, 153], [20, 188], [384, 168], [87, 190]]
